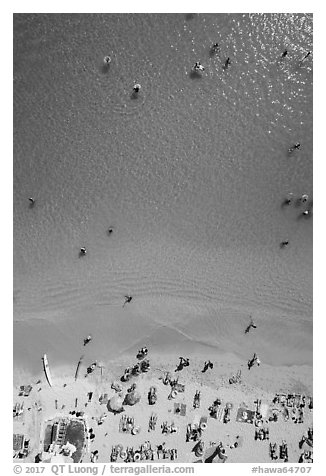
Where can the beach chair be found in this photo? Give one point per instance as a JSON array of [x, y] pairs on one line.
[[199, 449], [227, 412], [196, 403], [203, 423], [152, 422], [152, 396], [25, 450], [166, 379], [273, 451], [284, 451], [114, 454]]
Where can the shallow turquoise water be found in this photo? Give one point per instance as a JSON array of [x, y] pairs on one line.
[[191, 175]]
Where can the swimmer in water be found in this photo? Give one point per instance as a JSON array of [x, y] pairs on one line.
[[284, 243], [296, 146], [304, 198], [110, 231], [227, 63], [107, 60], [198, 67], [136, 88], [289, 199], [87, 339], [285, 52], [83, 251]]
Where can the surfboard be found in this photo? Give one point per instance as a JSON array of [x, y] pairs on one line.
[[47, 370], [78, 367]]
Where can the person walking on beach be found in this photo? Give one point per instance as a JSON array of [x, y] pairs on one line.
[[305, 57], [251, 325], [208, 365], [107, 60], [255, 360], [304, 198], [31, 202]]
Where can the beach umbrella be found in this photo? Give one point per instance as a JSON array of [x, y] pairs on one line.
[[132, 398], [115, 404]]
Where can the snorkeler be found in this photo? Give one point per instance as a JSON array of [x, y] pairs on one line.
[[289, 199], [284, 243]]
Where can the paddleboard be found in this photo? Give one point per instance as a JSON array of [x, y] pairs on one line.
[[47, 370]]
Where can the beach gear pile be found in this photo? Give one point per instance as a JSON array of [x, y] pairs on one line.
[[143, 453]]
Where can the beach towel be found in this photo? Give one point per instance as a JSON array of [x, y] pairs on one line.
[[245, 416], [25, 390], [18, 442], [180, 409]]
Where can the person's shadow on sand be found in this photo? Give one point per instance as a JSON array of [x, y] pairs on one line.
[[195, 75]]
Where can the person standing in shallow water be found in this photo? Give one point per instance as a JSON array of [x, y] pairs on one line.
[[251, 325], [127, 300]]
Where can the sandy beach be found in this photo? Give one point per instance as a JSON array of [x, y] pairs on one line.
[[261, 383]]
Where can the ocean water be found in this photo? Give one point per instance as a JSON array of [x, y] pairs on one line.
[[191, 175]]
